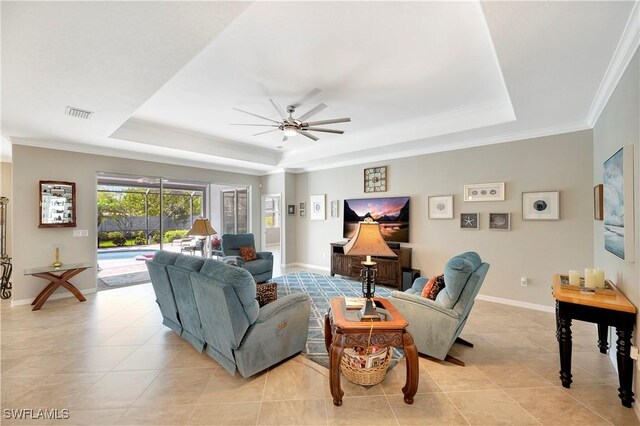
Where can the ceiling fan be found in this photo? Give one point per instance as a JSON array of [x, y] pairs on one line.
[[292, 126]]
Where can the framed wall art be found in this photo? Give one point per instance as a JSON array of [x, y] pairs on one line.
[[334, 208], [441, 207], [291, 209], [484, 192], [544, 205], [375, 179], [317, 207], [598, 212], [302, 213], [470, 221], [619, 236], [500, 221]]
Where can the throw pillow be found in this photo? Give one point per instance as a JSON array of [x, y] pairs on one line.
[[433, 287], [428, 286], [248, 253], [266, 293]]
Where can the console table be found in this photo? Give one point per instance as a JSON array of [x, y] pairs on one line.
[[389, 269], [57, 279], [604, 310], [341, 331]]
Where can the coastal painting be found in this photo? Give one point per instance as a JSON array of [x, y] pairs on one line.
[[618, 204]]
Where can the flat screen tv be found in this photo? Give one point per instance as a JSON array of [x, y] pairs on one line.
[[391, 212]]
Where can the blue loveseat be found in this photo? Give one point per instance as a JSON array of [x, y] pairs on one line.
[[213, 306], [436, 324]]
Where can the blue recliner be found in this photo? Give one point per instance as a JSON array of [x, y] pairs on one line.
[[261, 268], [436, 324]]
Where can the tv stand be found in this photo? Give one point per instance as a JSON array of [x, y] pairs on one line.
[[389, 269]]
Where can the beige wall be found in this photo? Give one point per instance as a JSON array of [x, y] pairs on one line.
[[617, 126], [6, 191], [35, 246], [532, 249]]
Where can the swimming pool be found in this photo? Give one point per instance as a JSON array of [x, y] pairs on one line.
[[128, 254]]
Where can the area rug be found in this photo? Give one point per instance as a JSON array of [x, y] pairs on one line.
[[321, 289], [123, 280]]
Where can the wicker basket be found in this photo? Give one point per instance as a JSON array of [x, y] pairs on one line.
[[364, 376]]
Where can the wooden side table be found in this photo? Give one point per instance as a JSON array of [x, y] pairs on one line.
[[341, 331], [604, 310], [57, 277]]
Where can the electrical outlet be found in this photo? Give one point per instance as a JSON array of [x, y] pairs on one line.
[[324, 254], [524, 281]]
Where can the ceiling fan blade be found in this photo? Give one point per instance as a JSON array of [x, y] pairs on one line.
[[319, 123], [309, 135], [312, 111], [306, 97], [256, 115], [247, 124], [278, 108], [262, 133], [320, 129]]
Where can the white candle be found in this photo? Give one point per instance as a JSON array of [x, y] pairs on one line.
[[599, 278], [574, 277], [589, 278]]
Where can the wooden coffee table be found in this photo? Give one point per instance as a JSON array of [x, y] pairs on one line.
[[341, 331]]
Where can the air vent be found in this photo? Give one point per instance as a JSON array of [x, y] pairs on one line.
[[78, 113]]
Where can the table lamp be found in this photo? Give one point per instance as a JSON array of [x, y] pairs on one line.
[[202, 227], [368, 241]]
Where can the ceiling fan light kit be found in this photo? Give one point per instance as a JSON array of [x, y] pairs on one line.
[[291, 126]]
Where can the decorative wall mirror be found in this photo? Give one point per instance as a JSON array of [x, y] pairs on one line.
[[57, 204]]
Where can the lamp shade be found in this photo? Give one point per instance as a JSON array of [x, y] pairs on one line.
[[201, 226], [368, 241]]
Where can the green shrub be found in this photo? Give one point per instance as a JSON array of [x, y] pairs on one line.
[[113, 235], [120, 241], [155, 236], [103, 236], [140, 241], [174, 234]]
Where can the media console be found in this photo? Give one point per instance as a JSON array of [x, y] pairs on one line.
[[389, 269]]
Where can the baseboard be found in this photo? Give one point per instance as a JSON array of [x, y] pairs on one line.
[[54, 296], [517, 303], [308, 265]]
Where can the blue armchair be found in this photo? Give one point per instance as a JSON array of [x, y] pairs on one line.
[[261, 268], [436, 324]]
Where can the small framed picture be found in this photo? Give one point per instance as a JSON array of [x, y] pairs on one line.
[[302, 213], [500, 221], [291, 209], [302, 206], [318, 207], [598, 211], [470, 221], [334, 208], [541, 205], [441, 207], [484, 192]]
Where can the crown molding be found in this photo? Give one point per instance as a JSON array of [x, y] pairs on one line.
[[110, 152], [627, 46], [362, 158]]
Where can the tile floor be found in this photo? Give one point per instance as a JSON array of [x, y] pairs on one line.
[[110, 361]]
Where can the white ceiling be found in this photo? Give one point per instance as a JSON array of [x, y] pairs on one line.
[[415, 77]]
